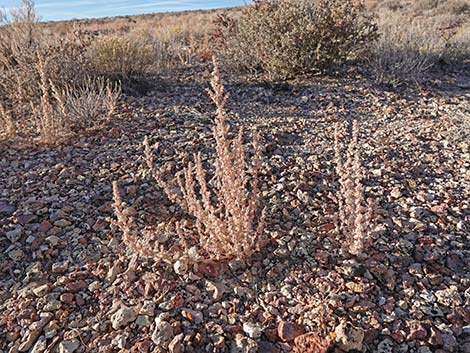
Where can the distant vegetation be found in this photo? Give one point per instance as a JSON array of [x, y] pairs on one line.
[[276, 39]]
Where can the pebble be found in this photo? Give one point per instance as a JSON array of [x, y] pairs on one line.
[[69, 346], [16, 255], [449, 297], [288, 331], [349, 337], [162, 334], [252, 330], [242, 344], [123, 316], [385, 346]]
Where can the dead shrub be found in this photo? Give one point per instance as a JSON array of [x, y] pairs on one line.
[[225, 214], [354, 212], [285, 37]]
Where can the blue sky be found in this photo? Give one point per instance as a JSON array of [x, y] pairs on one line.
[[53, 10]]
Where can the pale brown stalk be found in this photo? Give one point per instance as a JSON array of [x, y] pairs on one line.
[[354, 213], [228, 220]]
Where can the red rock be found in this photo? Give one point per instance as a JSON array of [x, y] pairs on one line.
[[271, 334], [417, 331], [75, 286], [142, 347], [209, 269], [45, 227], [288, 331]]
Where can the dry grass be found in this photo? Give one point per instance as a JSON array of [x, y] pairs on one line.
[[228, 222], [354, 212], [405, 50]]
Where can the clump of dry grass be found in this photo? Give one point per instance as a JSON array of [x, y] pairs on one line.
[[354, 211], [121, 58], [228, 222], [405, 50]]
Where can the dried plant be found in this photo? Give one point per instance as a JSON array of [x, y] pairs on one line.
[[354, 212], [50, 121], [8, 126], [94, 99], [406, 50], [228, 220], [285, 38]]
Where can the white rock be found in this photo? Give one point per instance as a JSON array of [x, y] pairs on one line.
[[163, 334], [252, 330], [69, 346], [123, 316], [349, 337]]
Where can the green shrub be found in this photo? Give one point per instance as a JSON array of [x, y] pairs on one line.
[[289, 37]]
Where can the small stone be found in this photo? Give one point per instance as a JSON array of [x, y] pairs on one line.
[[385, 346], [62, 223], [288, 331], [148, 308], [417, 331], [75, 286], [14, 235], [40, 346], [163, 334], [349, 337], [69, 346], [176, 344], [216, 290], [123, 316], [449, 297], [449, 342], [60, 267], [16, 255], [120, 341], [243, 344], [435, 338], [6, 209], [180, 267], [67, 298], [424, 349], [252, 330], [41, 291], [53, 240], [193, 315], [143, 321]]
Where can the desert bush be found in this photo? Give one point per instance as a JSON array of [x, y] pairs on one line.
[[458, 47], [287, 37], [405, 50], [23, 47], [354, 212], [227, 219], [122, 58]]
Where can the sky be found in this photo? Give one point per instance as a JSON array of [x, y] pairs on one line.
[[55, 10]]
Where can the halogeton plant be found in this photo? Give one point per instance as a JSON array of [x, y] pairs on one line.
[[354, 218], [226, 217]]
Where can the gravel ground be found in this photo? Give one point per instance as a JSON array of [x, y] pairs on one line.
[[67, 284]]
